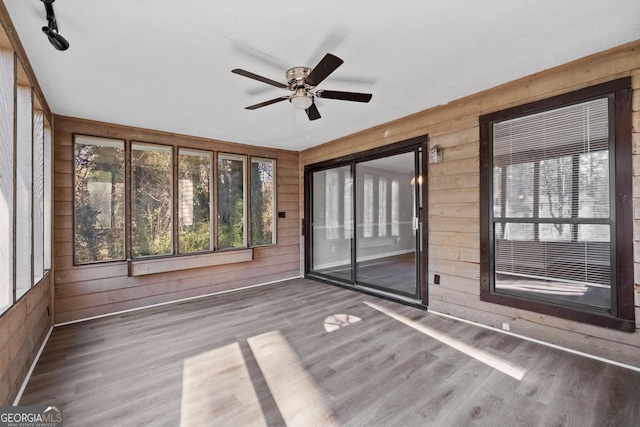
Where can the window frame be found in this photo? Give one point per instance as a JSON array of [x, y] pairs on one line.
[[126, 215], [621, 316], [175, 157]]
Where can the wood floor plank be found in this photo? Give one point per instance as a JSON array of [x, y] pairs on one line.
[[199, 362]]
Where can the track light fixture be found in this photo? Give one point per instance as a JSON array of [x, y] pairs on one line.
[[51, 30]]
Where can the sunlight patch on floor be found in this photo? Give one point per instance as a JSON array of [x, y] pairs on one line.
[[337, 321], [293, 389], [217, 389], [482, 356]]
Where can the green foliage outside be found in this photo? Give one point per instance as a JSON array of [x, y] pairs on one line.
[[194, 203], [261, 203], [230, 203], [99, 203], [151, 219]]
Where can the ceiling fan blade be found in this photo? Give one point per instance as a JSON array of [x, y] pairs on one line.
[[327, 65], [345, 96], [312, 112], [264, 104], [259, 78]]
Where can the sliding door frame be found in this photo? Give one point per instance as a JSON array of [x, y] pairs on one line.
[[422, 246]]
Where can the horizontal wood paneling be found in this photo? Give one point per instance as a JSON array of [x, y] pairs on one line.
[[616, 345], [22, 330], [166, 265], [83, 313], [86, 288], [90, 290], [454, 187]]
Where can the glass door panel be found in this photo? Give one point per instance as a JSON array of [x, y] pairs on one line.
[[386, 218], [332, 223]]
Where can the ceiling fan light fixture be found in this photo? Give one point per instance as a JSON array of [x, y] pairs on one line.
[[301, 99]]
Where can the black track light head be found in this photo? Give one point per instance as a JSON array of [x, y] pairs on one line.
[[51, 30], [56, 39]]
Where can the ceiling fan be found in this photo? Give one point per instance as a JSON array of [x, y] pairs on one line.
[[302, 82]]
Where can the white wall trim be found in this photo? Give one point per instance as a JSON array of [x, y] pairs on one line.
[[16, 402], [555, 346], [115, 313]]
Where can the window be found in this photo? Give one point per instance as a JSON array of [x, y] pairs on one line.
[[367, 213], [151, 199], [332, 205], [99, 199], [555, 231], [348, 206], [24, 190], [263, 202], [232, 211], [38, 195], [47, 194], [382, 207], [395, 208], [25, 184], [194, 201], [7, 180]]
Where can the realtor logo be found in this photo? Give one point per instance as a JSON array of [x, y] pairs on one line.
[[30, 416]]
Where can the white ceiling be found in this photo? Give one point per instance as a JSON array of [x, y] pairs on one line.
[[166, 65]]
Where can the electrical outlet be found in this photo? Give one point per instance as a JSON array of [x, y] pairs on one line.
[[436, 279]]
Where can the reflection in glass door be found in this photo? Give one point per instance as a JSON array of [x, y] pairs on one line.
[[332, 224], [364, 223], [386, 255]]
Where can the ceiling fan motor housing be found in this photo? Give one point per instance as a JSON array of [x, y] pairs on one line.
[[296, 76]]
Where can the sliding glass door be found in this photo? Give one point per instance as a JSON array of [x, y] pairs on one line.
[[386, 250], [364, 227]]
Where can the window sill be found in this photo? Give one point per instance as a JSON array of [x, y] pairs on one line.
[[570, 313], [178, 263]]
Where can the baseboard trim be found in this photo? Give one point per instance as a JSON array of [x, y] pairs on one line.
[[548, 344], [16, 401], [146, 307]]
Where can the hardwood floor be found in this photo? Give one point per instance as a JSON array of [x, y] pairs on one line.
[[263, 356]]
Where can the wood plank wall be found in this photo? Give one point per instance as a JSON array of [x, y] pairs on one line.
[[454, 196], [92, 290], [22, 330]]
